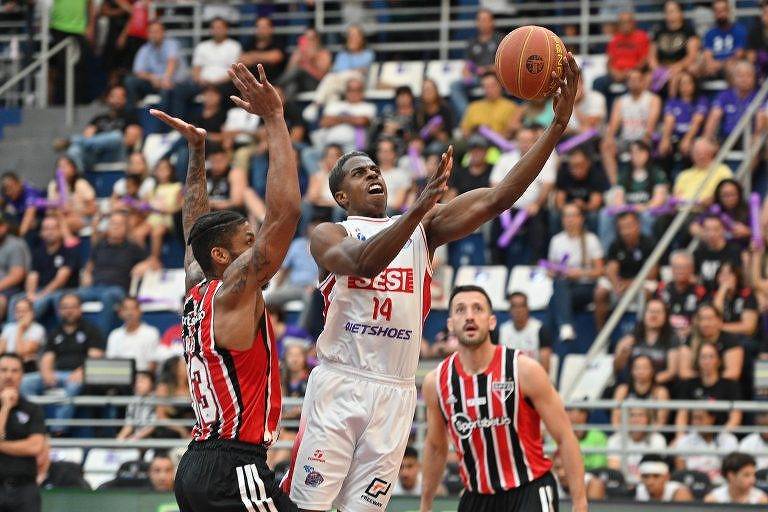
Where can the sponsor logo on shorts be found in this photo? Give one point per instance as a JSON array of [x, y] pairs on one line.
[[503, 389], [318, 456], [465, 425], [390, 280], [376, 488], [314, 479], [381, 331]]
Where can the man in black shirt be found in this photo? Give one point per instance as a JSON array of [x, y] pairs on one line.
[[22, 439], [476, 174], [65, 352], [54, 268], [108, 136], [682, 295], [626, 256], [107, 276], [581, 182], [757, 40], [714, 250], [265, 49]]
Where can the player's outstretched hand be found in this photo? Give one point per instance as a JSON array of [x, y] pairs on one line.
[[194, 135], [259, 96], [437, 184], [565, 97]]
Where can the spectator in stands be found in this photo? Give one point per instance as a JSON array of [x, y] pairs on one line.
[[228, 186], [210, 62], [642, 385], [295, 374], [730, 105], [695, 441], [581, 182], [285, 333], [729, 201], [107, 137], [173, 384], [165, 200], [23, 336], [171, 344], [710, 385], [655, 484], [298, 274], [535, 198], [59, 474], [430, 106], [588, 438], [265, 49], [687, 182], [584, 266], [162, 473], [675, 46], [724, 44], [493, 110], [709, 328], [23, 439], [735, 301], [398, 181], [683, 294], [757, 41], [158, 67], [715, 250], [479, 59], [525, 333], [137, 166], [589, 111], [345, 122], [475, 174], [55, 267], [634, 117], [107, 275], [134, 339], [308, 64], [17, 196], [594, 485], [318, 200], [398, 120], [652, 337], [627, 50], [74, 19], [638, 439], [14, 265], [739, 472], [684, 115], [757, 442], [408, 481], [642, 187], [78, 205], [626, 256], [212, 116], [351, 63], [64, 354], [139, 414]]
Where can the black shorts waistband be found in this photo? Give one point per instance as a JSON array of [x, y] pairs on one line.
[[17, 481], [546, 478], [228, 444]]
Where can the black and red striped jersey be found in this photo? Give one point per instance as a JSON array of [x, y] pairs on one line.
[[494, 428], [235, 394]]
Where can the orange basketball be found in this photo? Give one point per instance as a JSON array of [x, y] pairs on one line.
[[525, 60]]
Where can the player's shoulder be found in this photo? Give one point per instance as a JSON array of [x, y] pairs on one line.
[[327, 231]]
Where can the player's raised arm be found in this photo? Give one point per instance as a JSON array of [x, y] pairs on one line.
[[256, 266], [195, 189], [467, 212], [435, 445], [535, 385], [340, 254]]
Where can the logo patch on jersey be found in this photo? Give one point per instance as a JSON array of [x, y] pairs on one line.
[[390, 280], [473, 402], [314, 479], [465, 425], [318, 456], [376, 488], [451, 400], [503, 389]]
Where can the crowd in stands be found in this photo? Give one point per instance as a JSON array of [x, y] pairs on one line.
[[650, 128]]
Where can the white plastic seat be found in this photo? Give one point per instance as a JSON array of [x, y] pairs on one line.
[[71, 454], [492, 278], [157, 144], [592, 382], [534, 283], [160, 290], [101, 464], [444, 73], [592, 66], [396, 74], [442, 281]]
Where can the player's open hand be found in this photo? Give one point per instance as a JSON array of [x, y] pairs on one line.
[[568, 86], [437, 184], [194, 135], [259, 96]]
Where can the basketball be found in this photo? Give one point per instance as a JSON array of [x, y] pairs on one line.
[[525, 60]]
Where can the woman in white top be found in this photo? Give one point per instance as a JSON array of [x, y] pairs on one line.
[[739, 472], [24, 336]]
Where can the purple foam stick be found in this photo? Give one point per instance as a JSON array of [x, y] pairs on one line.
[[754, 219], [433, 123], [417, 166], [622, 208], [724, 217], [137, 204], [511, 226], [41, 202], [359, 138], [659, 78], [669, 207], [62, 184], [472, 70], [497, 138], [557, 268], [576, 140]]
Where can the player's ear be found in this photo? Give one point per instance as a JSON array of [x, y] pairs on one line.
[[341, 199], [449, 323], [492, 322], [220, 255]]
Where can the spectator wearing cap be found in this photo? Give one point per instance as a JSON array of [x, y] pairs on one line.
[[703, 441], [14, 264], [17, 194], [134, 339], [739, 472], [525, 333], [64, 355], [655, 484], [22, 439], [637, 439], [687, 182], [725, 43], [730, 105], [492, 110]]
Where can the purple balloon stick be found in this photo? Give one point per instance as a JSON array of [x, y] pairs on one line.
[[511, 226], [754, 219], [496, 138]]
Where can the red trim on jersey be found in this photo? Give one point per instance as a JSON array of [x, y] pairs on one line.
[[444, 392], [326, 292], [529, 433], [285, 485], [426, 299], [273, 382], [501, 434]]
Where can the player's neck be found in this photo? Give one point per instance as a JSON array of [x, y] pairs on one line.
[[476, 359]]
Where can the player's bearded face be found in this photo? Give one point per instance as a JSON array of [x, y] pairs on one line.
[[471, 319]]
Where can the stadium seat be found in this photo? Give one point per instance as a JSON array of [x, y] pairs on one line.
[[159, 290], [491, 277], [395, 74], [372, 79], [133, 474], [761, 479], [534, 282], [697, 481], [72, 454], [442, 282], [156, 145], [101, 464], [592, 382], [592, 66], [554, 368], [615, 484], [444, 73]]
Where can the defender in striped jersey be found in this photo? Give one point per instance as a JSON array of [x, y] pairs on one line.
[[490, 401], [229, 347]]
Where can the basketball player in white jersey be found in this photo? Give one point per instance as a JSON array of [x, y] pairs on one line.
[[375, 277]]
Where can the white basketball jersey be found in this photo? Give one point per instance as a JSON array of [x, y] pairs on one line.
[[374, 325], [722, 495]]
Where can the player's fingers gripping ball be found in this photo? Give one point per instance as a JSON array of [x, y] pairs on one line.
[[525, 60]]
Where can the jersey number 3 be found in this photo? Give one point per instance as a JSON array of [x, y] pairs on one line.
[[382, 308]]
